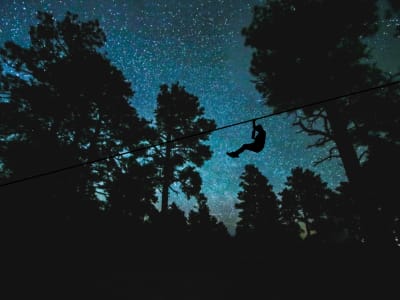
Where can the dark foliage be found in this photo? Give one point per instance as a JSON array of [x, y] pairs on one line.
[[63, 102]]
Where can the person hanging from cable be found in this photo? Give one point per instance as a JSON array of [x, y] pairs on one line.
[[256, 146]]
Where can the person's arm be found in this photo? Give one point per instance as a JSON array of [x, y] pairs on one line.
[[254, 130]]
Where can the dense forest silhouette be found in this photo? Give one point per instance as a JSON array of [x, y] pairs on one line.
[[63, 102]]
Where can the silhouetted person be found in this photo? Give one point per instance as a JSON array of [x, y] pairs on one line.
[[256, 146]]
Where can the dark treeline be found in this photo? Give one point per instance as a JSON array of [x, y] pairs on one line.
[[63, 102]]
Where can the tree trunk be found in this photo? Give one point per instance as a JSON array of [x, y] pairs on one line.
[[352, 168], [345, 146], [167, 170]]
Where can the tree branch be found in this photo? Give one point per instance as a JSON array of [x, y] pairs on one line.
[[327, 126], [310, 131], [102, 193], [315, 116], [329, 157], [59, 43], [320, 142], [5, 95], [8, 64], [175, 191], [362, 154]]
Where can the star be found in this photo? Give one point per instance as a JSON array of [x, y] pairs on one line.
[[199, 44]]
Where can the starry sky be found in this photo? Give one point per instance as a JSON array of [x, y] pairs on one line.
[[199, 44]]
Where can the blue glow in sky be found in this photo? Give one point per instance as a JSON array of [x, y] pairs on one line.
[[199, 44]]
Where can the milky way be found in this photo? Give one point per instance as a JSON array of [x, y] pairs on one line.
[[199, 44]]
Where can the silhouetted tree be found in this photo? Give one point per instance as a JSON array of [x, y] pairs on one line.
[[174, 226], [306, 46], [258, 206], [306, 199], [132, 192], [179, 114], [383, 208], [68, 104], [344, 211], [381, 182], [202, 224], [376, 128]]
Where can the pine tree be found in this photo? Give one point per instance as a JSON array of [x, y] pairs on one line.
[[179, 114], [257, 204], [306, 199]]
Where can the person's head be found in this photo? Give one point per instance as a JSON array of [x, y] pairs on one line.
[[258, 128]]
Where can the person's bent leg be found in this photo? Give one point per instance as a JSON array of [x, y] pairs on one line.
[[244, 147]]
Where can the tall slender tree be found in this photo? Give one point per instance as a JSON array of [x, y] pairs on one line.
[[179, 114], [306, 199], [258, 205]]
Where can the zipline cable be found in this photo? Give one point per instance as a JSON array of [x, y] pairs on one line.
[[89, 162]]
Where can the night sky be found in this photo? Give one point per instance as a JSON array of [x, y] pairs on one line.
[[199, 44]]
